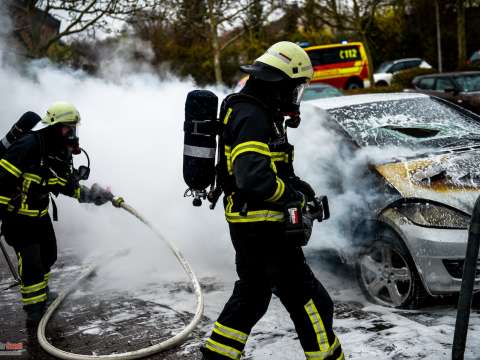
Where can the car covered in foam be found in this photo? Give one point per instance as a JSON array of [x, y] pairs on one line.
[[411, 233]]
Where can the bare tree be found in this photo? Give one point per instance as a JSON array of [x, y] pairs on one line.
[[224, 18], [77, 16], [461, 35], [439, 36]]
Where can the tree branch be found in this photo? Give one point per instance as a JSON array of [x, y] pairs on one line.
[[69, 31]]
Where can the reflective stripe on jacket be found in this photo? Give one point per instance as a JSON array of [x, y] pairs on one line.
[[26, 180], [257, 159]]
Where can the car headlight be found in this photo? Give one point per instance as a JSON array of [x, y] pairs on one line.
[[433, 215]]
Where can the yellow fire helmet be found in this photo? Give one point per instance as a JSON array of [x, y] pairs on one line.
[[282, 60], [61, 113]]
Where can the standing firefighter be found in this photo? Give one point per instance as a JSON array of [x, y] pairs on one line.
[[34, 166], [259, 184]]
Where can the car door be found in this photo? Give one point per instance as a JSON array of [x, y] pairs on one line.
[[444, 88], [425, 85], [399, 66]]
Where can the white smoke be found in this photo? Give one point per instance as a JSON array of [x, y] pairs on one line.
[[132, 128], [335, 169]]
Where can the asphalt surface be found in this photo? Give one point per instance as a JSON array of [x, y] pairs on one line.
[[95, 322], [92, 323]]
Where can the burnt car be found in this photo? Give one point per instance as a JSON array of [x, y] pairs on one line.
[[461, 88], [412, 200]]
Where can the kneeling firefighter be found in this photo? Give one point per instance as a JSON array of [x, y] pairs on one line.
[[264, 201], [34, 165]]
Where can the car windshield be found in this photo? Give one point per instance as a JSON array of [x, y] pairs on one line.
[[469, 83], [415, 123], [318, 92], [384, 66]]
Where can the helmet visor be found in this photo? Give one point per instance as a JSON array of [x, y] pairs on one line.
[[298, 92], [70, 131], [70, 134]]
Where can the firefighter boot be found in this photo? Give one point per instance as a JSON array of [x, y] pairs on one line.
[[207, 355], [51, 296], [34, 313]]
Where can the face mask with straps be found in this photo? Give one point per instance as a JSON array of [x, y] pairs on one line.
[[290, 104]]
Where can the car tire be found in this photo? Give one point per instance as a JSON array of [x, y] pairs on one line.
[[387, 274], [381, 83], [354, 84]]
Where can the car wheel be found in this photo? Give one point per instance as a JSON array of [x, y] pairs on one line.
[[354, 84], [381, 83], [387, 274]]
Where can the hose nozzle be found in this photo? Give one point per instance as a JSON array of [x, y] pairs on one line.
[[117, 201]]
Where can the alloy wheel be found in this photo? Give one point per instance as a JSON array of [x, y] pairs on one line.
[[385, 275]]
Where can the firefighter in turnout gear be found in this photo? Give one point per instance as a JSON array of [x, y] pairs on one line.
[[257, 176], [35, 166]]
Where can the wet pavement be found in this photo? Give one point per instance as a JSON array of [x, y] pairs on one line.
[[92, 323], [94, 320]]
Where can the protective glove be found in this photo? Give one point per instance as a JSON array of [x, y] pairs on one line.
[[96, 195], [303, 187], [307, 229]]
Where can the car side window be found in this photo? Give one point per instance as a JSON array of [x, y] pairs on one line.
[[397, 67], [426, 83], [443, 83], [412, 64], [334, 55], [316, 57]]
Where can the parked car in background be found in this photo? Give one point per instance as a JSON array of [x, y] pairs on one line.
[[384, 74], [313, 91], [474, 59], [344, 66], [320, 91], [461, 88], [414, 196]]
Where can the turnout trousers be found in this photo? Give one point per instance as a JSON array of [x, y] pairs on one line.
[[267, 263], [34, 242]]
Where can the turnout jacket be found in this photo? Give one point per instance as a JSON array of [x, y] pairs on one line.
[[29, 173], [256, 159]]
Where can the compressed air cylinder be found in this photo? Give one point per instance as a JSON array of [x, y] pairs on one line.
[[26, 123], [200, 142]]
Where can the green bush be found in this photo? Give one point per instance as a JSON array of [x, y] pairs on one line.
[[404, 78]]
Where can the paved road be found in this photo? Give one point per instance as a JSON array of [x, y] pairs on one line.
[[101, 322], [94, 319]]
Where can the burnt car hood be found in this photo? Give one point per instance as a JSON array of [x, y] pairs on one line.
[[452, 178]]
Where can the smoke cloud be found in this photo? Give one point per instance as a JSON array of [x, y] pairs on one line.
[[132, 125], [333, 168], [132, 128]]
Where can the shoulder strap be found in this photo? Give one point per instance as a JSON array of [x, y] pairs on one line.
[[239, 97], [43, 149]]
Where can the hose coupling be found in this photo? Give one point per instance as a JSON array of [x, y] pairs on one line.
[[118, 201]]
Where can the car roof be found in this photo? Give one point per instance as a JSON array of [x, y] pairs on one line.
[[406, 59], [320, 84], [452, 73], [341, 101]]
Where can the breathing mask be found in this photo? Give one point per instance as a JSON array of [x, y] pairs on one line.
[[69, 134], [290, 103]]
